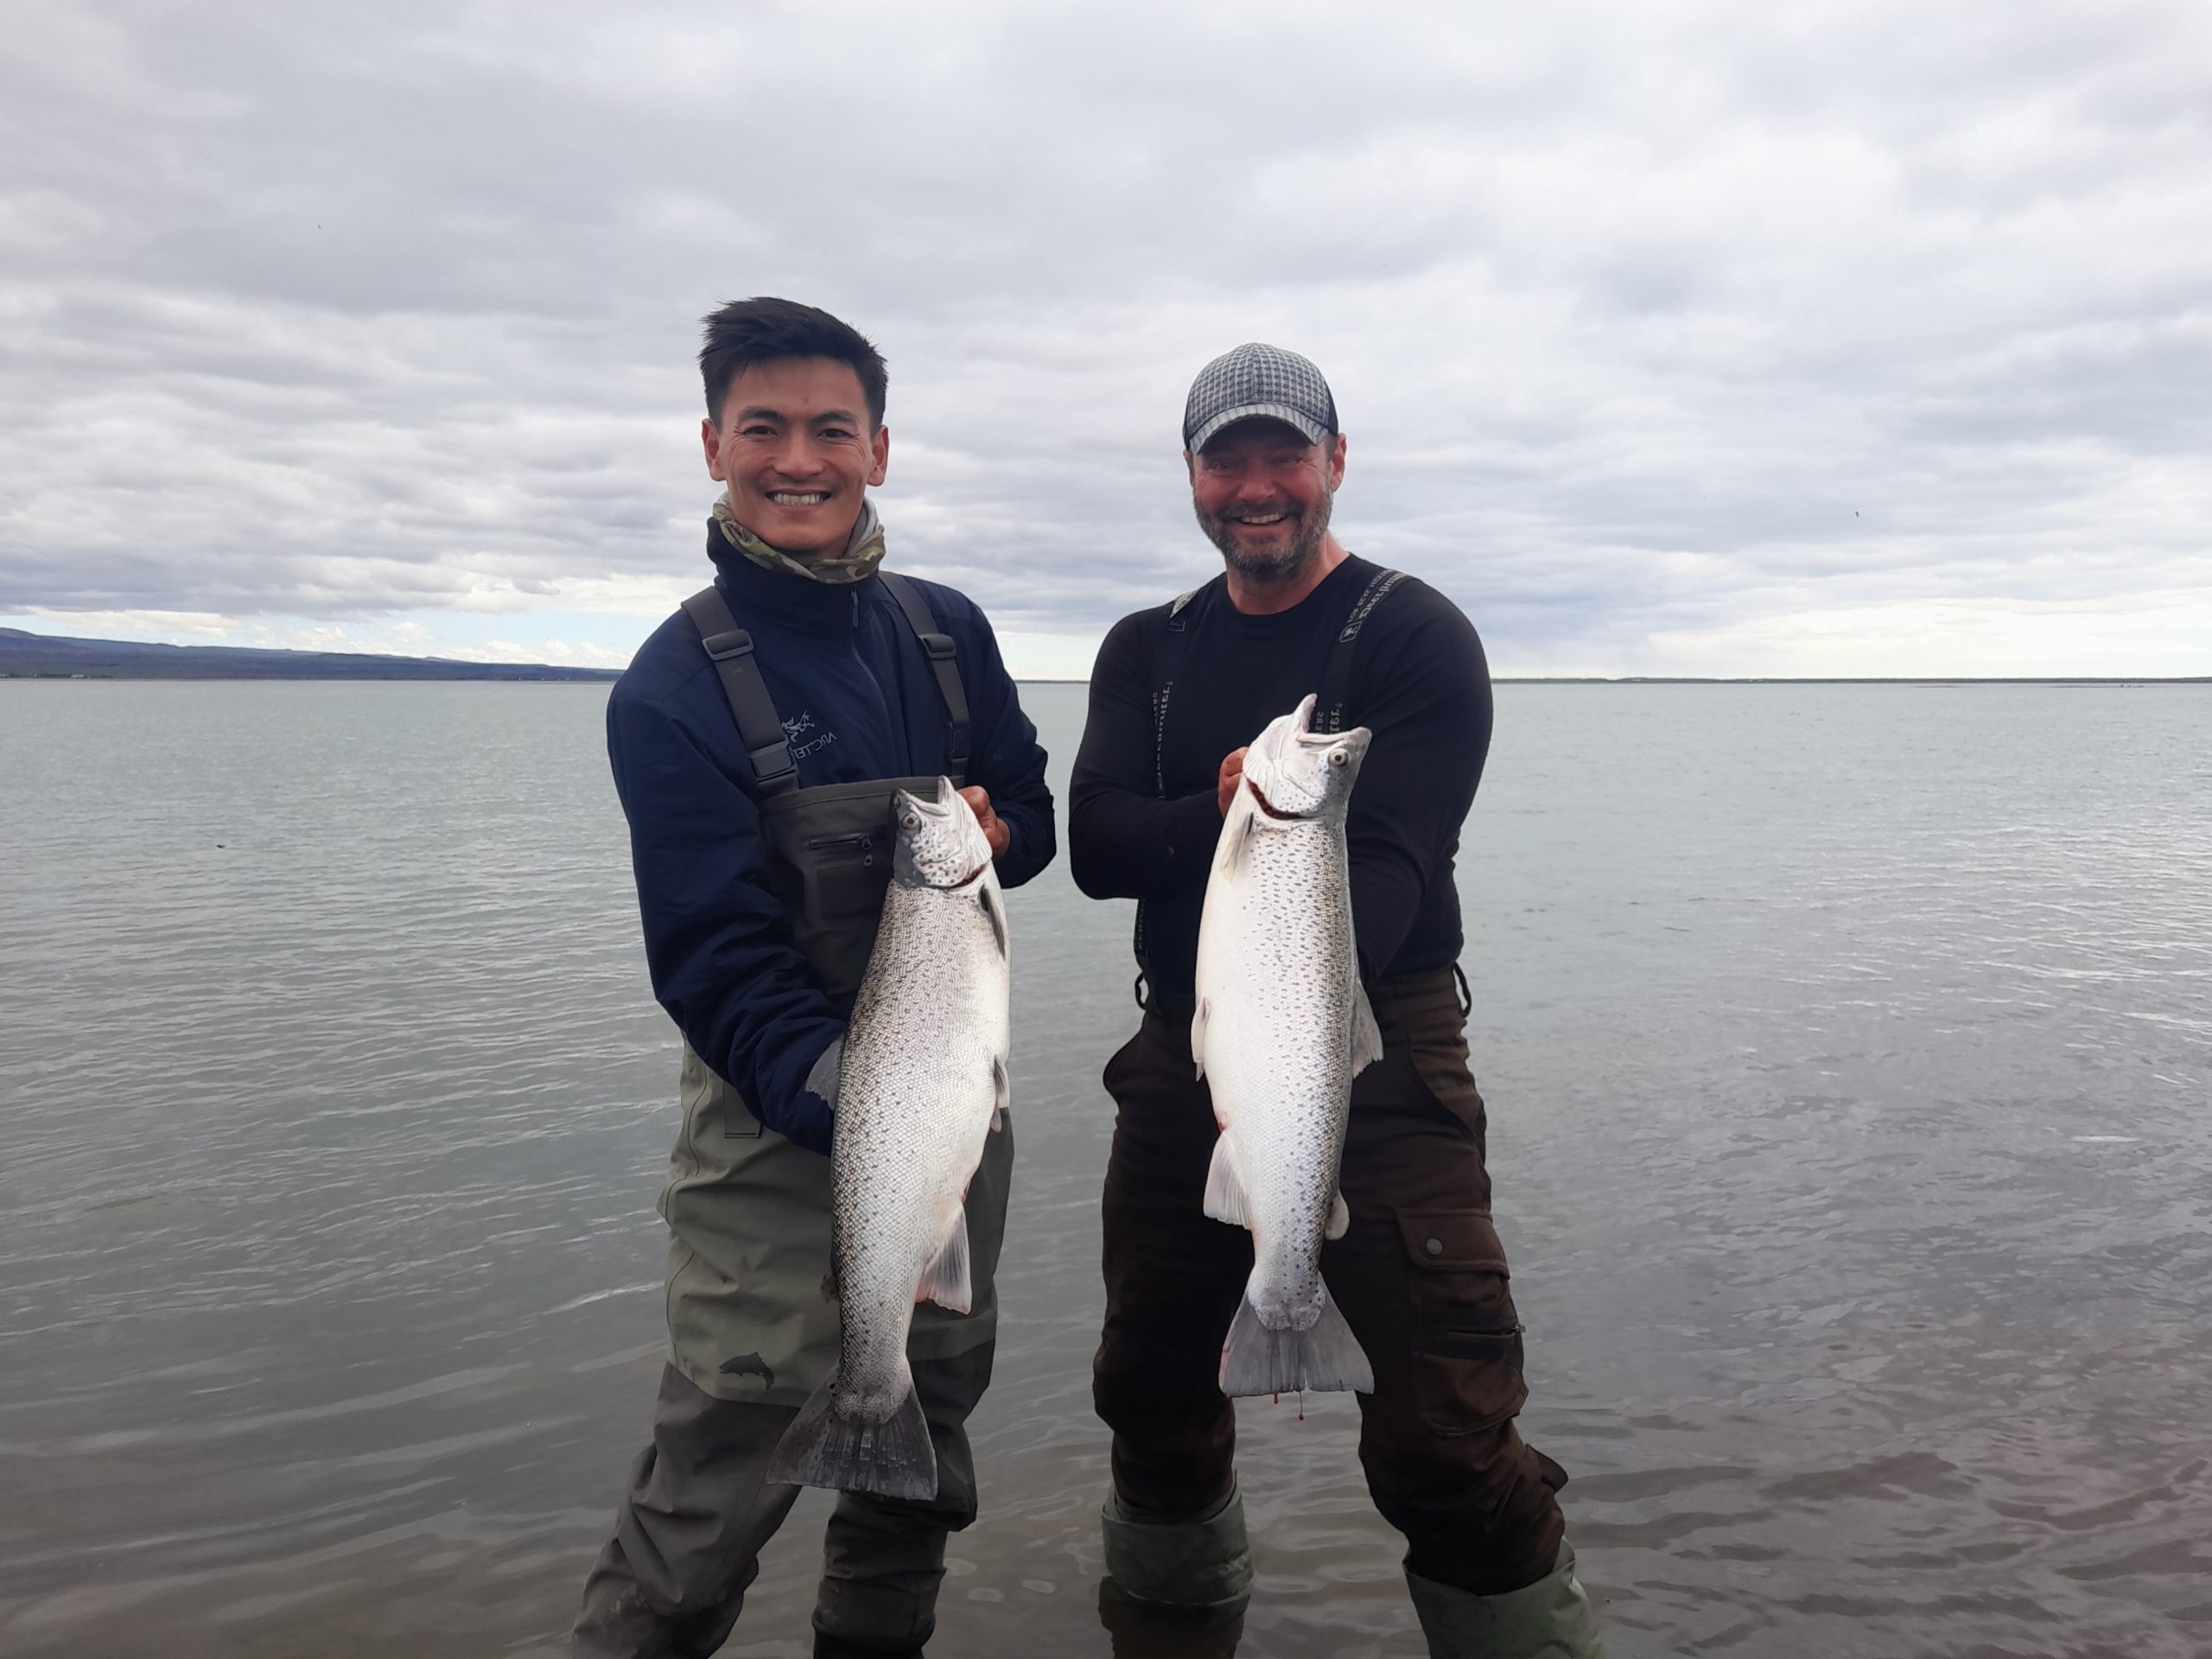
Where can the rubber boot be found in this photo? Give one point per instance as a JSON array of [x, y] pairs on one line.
[[1549, 1619], [1202, 1561], [882, 1561]]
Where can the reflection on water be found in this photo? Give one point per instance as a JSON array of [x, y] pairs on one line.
[[1847, 1050]]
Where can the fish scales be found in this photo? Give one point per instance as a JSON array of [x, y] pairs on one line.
[[1281, 1028], [921, 1084]]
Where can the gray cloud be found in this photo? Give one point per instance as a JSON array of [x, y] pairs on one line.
[[1702, 338]]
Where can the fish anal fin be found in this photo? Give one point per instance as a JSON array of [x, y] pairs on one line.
[[1339, 1217], [1001, 1092], [1225, 1199], [944, 1281], [1366, 1035], [1199, 1034]]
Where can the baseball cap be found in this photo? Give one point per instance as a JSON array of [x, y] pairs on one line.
[[1257, 379]]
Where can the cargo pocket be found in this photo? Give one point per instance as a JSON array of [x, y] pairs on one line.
[[1467, 1337]]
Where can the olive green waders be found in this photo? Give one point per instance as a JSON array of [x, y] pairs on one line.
[[751, 1329]]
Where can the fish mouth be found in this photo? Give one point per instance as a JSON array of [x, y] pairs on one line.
[[1269, 809]]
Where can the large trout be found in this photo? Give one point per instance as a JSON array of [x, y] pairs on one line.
[[1281, 1028], [922, 1084]]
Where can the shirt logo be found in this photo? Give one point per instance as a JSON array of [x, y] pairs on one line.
[[795, 734]]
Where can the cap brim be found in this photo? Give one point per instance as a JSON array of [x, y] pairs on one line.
[[1302, 422]]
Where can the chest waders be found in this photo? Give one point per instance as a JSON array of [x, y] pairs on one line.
[[749, 1211], [1331, 697]]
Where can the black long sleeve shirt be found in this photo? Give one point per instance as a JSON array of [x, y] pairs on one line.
[[1142, 817]]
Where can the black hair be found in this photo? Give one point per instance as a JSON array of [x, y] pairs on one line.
[[746, 332]]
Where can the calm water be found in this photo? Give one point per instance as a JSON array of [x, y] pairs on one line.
[[1849, 1055]]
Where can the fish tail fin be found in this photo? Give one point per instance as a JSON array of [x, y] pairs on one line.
[[1259, 1360], [824, 1447]]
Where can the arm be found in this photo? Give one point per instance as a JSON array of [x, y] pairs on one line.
[[1124, 841], [717, 943], [1005, 759], [1430, 712]]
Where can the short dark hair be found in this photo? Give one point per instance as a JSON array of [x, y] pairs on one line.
[[763, 330]]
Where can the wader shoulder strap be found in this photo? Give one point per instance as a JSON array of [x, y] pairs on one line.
[[944, 663], [758, 727], [1335, 689]]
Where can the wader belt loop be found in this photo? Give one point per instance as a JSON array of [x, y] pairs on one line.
[[1336, 674], [730, 648], [944, 664]]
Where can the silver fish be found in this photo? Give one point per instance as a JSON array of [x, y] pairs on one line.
[[922, 1083], [1283, 1028]]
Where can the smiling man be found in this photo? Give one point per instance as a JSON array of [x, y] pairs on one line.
[[1178, 692], [756, 740]]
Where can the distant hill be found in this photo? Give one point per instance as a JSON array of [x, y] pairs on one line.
[[50, 657]]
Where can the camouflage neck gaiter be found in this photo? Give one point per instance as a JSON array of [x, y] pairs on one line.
[[863, 549]]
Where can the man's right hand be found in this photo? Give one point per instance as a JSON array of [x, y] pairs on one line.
[[1232, 773]]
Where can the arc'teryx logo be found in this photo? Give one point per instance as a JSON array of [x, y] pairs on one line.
[[795, 734]]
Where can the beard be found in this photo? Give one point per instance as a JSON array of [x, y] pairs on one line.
[[1281, 566]]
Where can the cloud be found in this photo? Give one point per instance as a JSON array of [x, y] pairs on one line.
[[1690, 338]]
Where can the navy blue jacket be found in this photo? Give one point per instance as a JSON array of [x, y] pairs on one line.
[[858, 700]]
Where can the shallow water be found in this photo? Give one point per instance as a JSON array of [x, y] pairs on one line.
[[1848, 1051]]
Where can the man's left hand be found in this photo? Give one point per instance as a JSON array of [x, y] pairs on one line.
[[995, 831]]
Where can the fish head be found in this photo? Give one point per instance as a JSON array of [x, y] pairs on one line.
[[940, 845], [1295, 771]]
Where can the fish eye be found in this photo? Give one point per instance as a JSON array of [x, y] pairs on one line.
[[911, 820], [1338, 757]]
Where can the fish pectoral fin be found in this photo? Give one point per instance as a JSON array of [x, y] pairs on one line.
[[1001, 1093], [1339, 1217], [1198, 1035], [827, 1074], [1366, 1035], [1236, 834], [1225, 1199], [944, 1281], [995, 908]]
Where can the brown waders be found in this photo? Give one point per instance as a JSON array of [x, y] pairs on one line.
[[1422, 1279], [751, 1332]]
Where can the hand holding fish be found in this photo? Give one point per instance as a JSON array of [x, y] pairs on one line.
[[1232, 773], [994, 832]]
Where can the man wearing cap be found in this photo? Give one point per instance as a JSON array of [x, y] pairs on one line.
[[1421, 1276]]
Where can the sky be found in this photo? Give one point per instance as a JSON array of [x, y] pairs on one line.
[[1702, 338]]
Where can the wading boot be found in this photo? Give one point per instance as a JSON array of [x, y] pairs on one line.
[[1549, 1619], [1201, 1562]]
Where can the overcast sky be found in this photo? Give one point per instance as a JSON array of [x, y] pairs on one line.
[[1703, 339]]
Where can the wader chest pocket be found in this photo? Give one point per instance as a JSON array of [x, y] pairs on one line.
[[846, 874], [1466, 1334]]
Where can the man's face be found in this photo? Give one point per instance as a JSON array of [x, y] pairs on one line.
[[1263, 495], [795, 449]]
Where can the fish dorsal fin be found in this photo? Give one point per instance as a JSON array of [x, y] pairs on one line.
[[995, 908], [1001, 1092], [1366, 1035], [826, 1076], [1225, 1199], [945, 1280], [1199, 1034]]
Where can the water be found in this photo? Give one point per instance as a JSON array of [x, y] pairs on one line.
[[1848, 1050]]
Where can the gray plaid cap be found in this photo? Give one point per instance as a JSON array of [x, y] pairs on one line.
[[1256, 380]]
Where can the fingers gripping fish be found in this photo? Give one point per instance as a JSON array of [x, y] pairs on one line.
[[1282, 1026], [922, 1083]]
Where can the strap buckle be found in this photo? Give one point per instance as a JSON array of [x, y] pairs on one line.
[[939, 647], [723, 646], [772, 762]]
